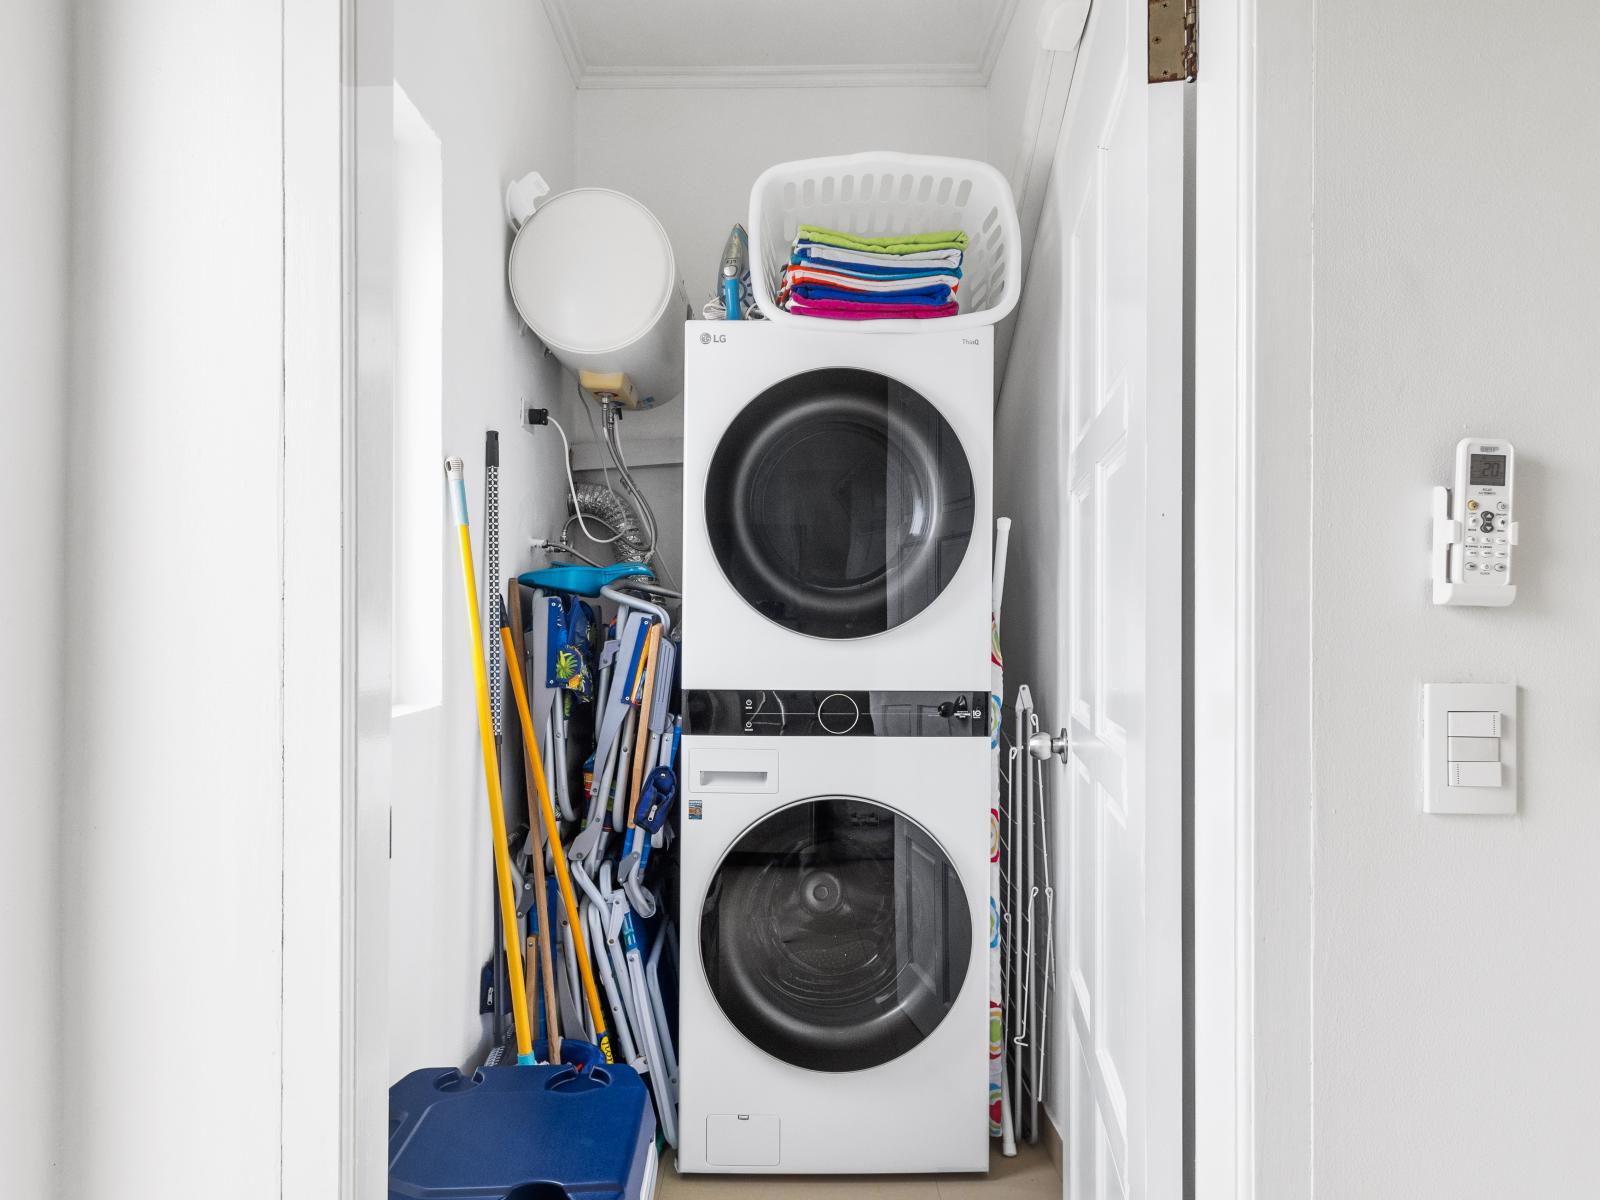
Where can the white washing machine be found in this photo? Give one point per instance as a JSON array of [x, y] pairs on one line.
[[834, 923], [837, 510]]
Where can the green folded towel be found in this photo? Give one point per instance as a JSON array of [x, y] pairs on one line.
[[894, 243]]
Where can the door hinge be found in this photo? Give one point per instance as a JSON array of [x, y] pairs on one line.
[[1172, 40]]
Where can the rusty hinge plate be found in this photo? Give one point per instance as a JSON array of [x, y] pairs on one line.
[[1172, 40]]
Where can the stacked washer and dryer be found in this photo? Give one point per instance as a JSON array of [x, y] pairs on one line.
[[835, 826]]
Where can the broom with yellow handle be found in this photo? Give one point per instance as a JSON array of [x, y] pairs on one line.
[[569, 900], [455, 473]]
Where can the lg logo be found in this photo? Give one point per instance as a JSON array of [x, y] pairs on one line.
[[707, 338]]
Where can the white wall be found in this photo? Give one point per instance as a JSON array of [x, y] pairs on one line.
[[1277, 174], [488, 79], [691, 155], [1457, 251], [1028, 439], [490, 83], [35, 137], [1006, 98], [171, 892], [1424, 1000], [418, 307]]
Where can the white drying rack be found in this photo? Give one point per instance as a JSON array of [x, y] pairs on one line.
[[1027, 920]]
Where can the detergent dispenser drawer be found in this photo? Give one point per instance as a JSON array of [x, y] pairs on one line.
[[744, 772], [742, 1140]]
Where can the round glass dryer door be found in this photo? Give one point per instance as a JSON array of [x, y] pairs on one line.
[[835, 934], [839, 503]]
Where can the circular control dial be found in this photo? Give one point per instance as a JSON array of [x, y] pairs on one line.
[[838, 713]]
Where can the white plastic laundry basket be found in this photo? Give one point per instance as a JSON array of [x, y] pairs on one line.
[[883, 192]]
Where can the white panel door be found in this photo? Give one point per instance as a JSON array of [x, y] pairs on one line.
[[1120, 171]]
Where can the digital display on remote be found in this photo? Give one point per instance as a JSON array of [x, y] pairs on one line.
[[1487, 470]]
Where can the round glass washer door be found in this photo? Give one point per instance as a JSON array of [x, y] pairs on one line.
[[835, 934], [839, 503]]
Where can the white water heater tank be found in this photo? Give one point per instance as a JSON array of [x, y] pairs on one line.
[[593, 274]]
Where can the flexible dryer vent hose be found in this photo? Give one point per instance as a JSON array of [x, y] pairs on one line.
[[597, 500]]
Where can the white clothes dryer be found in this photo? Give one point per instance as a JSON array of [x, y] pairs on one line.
[[837, 507], [834, 922]]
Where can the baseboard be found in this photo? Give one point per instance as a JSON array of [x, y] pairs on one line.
[[1051, 1137]]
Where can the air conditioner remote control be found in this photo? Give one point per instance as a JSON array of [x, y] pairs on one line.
[[1482, 503]]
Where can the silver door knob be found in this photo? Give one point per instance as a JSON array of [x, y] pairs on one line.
[[1042, 745]]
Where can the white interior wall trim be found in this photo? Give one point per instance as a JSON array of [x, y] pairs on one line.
[[996, 40], [1223, 651], [813, 75], [1055, 60], [566, 39], [587, 76], [318, 1105], [35, 139], [1026, 151], [365, 455]]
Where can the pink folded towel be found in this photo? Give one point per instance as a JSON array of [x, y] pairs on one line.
[[854, 310]]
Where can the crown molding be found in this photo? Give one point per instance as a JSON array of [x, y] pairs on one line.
[[788, 76], [567, 39], [996, 39], [588, 77]]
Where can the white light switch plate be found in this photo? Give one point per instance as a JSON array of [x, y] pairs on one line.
[[1439, 795]]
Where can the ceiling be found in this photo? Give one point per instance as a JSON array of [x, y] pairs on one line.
[[779, 43]]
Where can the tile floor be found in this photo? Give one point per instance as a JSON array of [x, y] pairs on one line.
[[1028, 1176]]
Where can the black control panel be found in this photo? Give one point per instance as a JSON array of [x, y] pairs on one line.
[[756, 713]]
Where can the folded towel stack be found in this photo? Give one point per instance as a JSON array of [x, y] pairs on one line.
[[845, 277]]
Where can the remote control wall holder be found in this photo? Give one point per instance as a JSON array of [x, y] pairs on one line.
[[1447, 532]]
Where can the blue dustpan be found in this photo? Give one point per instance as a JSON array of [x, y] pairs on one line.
[[578, 580]]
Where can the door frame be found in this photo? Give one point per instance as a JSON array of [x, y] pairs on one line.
[[335, 467], [1250, 1062], [1248, 1120]]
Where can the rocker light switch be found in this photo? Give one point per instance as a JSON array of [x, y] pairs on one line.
[[1475, 774], [1474, 749], [1473, 724], [1469, 748]]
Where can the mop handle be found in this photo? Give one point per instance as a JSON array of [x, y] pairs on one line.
[[455, 472], [553, 832], [652, 645], [541, 903]]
